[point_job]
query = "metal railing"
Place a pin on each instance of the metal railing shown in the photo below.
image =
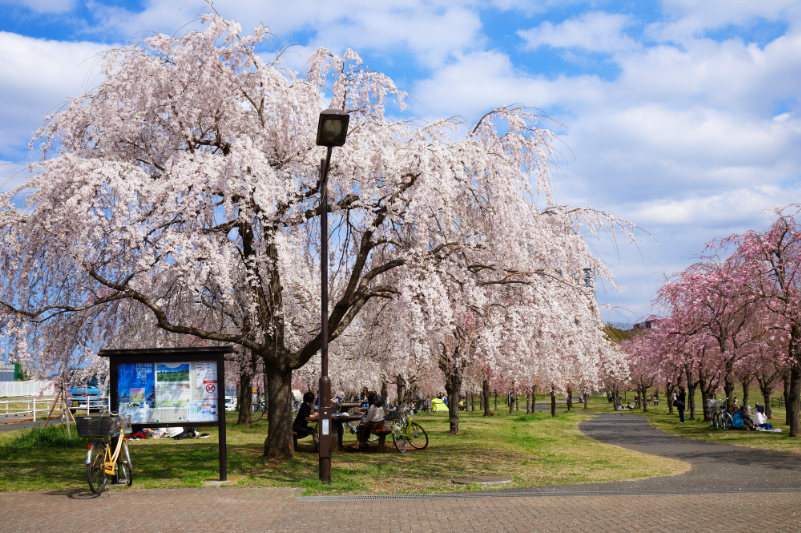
(24, 408)
(33, 408)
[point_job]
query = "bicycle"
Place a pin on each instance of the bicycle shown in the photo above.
(406, 430)
(258, 411)
(101, 462)
(721, 419)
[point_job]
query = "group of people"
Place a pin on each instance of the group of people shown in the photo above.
(371, 410)
(740, 417)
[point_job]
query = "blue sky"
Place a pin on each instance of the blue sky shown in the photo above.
(681, 116)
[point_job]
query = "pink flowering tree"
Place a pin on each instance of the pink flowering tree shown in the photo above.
(773, 276)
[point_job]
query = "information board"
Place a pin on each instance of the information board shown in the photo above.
(171, 387)
(168, 392)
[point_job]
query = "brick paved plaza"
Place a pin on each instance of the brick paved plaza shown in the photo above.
(277, 510)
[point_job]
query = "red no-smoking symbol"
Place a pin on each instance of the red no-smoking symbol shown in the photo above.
(210, 388)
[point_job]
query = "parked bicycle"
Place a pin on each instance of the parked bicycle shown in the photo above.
(721, 419)
(108, 455)
(259, 408)
(406, 431)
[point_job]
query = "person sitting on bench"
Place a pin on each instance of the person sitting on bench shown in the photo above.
(374, 419)
(301, 425)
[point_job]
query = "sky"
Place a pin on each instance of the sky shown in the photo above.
(679, 116)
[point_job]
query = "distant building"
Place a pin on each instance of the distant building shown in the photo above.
(646, 324)
(7, 371)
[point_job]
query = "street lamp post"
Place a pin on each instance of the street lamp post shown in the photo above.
(332, 129)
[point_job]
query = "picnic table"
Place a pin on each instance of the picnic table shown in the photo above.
(338, 429)
(654, 402)
(350, 405)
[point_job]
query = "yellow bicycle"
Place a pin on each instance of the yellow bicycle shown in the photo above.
(108, 455)
(406, 430)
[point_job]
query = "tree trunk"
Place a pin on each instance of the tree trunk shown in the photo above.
(401, 385)
(746, 383)
(511, 403)
(766, 390)
(669, 395)
(691, 392)
(485, 394)
(786, 379)
(569, 399)
(245, 399)
(553, 401)
(496, 399)
(533, 398)
(453, 386)
(279, 417)
(247, 372)
(728, 389)
(586, 397)
(644, 398)
(517, 401)
(793, 406)
(384, 394)
(528, 403)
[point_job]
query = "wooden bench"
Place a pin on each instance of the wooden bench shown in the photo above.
(382, 438)
(654, 402)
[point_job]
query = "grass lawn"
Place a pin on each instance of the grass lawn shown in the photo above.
(698, 429)
(533, 450)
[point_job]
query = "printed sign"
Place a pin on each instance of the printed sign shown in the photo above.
(168, 392)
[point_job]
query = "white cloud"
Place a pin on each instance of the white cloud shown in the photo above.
(687, 19)
(431, 30)
(728, 207)
(42, 6)
(38, 76)
(594, 32)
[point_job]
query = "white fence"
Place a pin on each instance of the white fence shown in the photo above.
(33, 408)
(27, 388)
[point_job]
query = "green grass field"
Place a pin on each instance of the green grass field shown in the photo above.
(533, 450)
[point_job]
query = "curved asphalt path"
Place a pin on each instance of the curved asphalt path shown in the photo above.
(715, 467)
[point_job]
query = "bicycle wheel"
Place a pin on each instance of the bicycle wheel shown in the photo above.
(94, 467)
(397, 437)
(727, 421)
(716, 420)
(125, 457)
(418, 436)
(257, 414)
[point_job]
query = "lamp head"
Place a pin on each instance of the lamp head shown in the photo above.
(332, 128)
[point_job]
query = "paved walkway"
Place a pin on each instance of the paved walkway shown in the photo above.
(715, 467)
(767, 498)
(266, 511)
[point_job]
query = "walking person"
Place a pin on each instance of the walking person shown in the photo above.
(680, 403)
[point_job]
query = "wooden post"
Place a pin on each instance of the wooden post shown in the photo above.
(58, 396)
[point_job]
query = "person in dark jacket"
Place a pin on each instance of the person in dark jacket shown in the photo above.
(680, 403)
(301, 425)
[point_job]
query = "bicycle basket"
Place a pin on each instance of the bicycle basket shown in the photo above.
(121, 425)
(94, 426)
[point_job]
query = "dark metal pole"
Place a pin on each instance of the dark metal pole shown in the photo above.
(222, 450)
(325, 382)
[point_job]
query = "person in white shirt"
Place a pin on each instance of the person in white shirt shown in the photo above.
(374, 419)
(760, 420)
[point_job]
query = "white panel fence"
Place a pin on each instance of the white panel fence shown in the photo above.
(27, 388)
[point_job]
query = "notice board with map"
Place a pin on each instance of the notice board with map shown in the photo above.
(170, 387)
